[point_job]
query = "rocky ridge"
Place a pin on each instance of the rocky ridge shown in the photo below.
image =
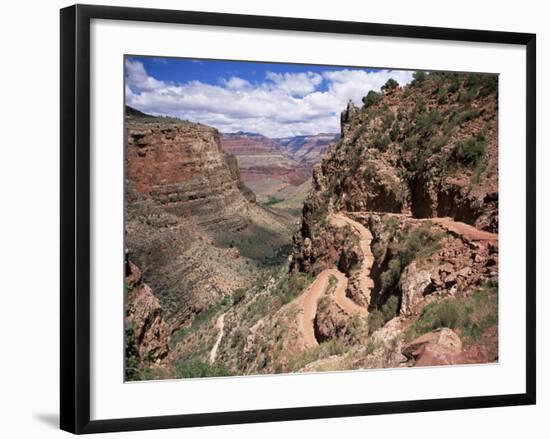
(191, 223)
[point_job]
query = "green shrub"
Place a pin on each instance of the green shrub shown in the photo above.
(394, 132)
(359, 132)
(489, 85)
(238, 295)
(380, 142)
(376, 320)
(428, 123)
(471, 315)
(412, 244)
(470, 151)
(390, 277)
(131, 365)
(271, 200)
(453, 86)
(291, 286)
(419, 77)
(465, 115)
(371, 99)
(323, 350)
(387, 121)
(199, 369)
(390, 308)
(390, 84)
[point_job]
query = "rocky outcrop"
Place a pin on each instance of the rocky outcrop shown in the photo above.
(181, 166)
(414, 284)
(429, 149)
(444, 347)
(144, 320)
(189, 218)
(417, 166)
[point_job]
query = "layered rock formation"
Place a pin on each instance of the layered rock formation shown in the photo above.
(190, 220)
(308, 149)
(182, 167)
(146, 331)
(261, 158)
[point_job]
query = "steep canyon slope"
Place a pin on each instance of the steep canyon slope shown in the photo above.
(394, 262)
(418, 167)
(191, 224)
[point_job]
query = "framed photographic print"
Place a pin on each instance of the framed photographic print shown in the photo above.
(268, 218)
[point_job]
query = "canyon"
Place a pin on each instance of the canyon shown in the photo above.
(377, 247)
(276, 168)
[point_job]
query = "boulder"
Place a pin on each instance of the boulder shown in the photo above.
(443, 337)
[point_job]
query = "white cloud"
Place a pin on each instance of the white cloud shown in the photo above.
(138, 78)
(285, 104)
(236, 83)
(295, 84)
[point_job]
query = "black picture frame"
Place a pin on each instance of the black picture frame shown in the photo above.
(75, 217)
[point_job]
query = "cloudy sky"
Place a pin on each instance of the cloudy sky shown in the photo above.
(277, 100)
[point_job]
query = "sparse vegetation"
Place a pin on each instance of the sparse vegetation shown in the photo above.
(415, 243)
(390, 84)
(419, 77)
(378, 317)
(371, 99)
(199, 369)
(271, 200)
(470, 151)
(323, 350)
(471, 315)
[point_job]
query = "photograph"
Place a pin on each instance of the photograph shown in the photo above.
(291, 218)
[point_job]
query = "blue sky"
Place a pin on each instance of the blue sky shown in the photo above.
(276, 100)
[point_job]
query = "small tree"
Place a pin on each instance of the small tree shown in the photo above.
(419, 77)
(390, 85)
(371, 98)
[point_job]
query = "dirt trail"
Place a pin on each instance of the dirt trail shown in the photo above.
(464, 230)
(214, 352)
(343, 301)
(309, 300)
(365, 239)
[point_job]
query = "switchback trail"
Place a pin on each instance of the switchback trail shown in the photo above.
(309, 300)
(365, 238)
(214, 352)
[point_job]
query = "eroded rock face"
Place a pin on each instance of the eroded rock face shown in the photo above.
(182, 166)
(263, 158)
(144, 317)
(185, 204)
(404, 154)
(307, 149)
(415, 284)
(330, 322)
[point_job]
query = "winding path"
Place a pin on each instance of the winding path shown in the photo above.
(214, 352)
(365, 238)
(466, 230)
(309, 300)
